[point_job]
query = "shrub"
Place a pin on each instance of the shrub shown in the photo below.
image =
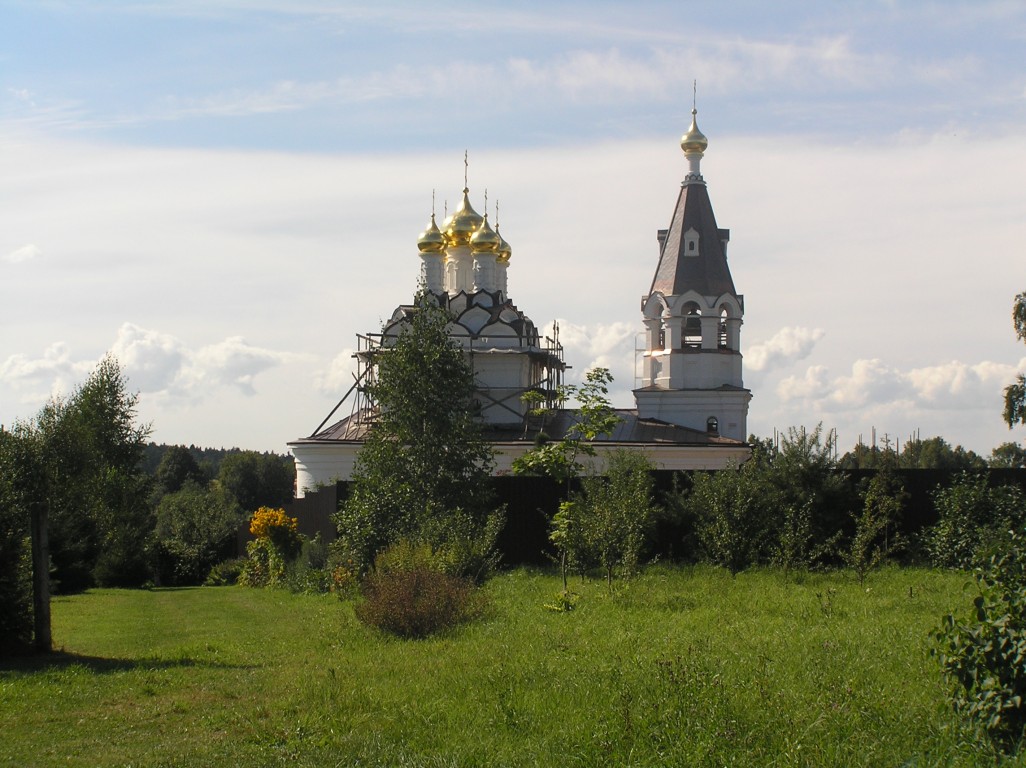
(195, 529)
(876, 537)
(409, 596)
(343, 582)
(795, 550)
(262, 566)
(615, 514)
(972, 519)
(566, 533)
(15, 592)
(984, 655)
(279, 529)
(16, 467)
(733, 508)
(308, 572)
(813, 498)
(225, 573)
(301, 578)
(277, 544)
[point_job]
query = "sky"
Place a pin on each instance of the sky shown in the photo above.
(224, 193)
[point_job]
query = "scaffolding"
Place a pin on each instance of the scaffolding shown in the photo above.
(546, 378)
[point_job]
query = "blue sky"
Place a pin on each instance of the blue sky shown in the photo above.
(225, 193)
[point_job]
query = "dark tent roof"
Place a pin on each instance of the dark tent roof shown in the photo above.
(680, 271)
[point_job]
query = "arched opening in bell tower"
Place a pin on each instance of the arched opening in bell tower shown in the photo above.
(692, 326)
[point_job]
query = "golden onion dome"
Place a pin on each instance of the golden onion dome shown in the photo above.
(485, 240)
(503, 252)
(694, 140)
(431, 239)
(462, 225)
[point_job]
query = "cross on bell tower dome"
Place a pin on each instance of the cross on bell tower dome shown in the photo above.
(693, 316)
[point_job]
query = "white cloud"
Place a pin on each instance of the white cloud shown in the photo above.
(871, 381)
(814, 385)
(151, 360)
(954, 385)
(24, 253)
(960, 385)
(156, 365)
(56, 363)
(233, 362)
(785, 346)
(592, 75)
(338, 377)
(589, 73)
(32, 381)
(600, 345)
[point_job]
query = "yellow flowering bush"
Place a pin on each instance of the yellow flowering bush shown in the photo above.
(268, 523)
(277, 544)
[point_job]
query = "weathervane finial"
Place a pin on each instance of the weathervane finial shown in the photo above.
(466, 166)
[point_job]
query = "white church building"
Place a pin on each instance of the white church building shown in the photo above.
(691, 408)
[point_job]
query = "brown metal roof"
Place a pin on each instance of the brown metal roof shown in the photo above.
(706, 273)
(630, 430)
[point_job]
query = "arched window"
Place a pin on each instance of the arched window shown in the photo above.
(712, 425)
(723, 329)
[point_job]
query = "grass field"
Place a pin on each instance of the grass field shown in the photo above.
(681, 667)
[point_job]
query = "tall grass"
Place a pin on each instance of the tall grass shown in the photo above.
(680, 667)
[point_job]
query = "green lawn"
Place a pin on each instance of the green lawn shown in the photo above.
(681, 667)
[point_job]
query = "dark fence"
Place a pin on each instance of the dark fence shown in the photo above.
(530, 503)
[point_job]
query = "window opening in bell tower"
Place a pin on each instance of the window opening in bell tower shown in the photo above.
(693, 328)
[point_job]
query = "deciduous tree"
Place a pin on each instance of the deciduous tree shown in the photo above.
(616, 512)
(15, 549)
(561, 459)
(1015, 394)
(177, 467)
(195, 529)
(733, 512)
(1008, 456)
(257, 479)
(594, 417)
(423, 472)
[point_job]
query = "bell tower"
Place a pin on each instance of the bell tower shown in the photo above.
(693, 316)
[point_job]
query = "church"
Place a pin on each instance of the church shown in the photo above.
(691, 405)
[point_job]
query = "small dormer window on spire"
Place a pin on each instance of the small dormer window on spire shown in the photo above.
(691, 242)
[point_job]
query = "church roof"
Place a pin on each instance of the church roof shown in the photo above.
(634, 430)
(680, 270)
(630, 429)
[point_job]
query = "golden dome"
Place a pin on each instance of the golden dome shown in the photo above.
(485, 240)
(461, 226)
(503, 252)
(431, 240)
(694, 140)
